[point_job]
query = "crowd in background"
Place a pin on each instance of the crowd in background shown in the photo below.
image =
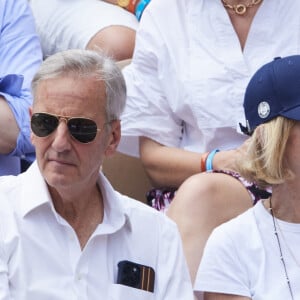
(190, 64)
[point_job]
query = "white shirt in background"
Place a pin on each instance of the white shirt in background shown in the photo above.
(242, 257)
(188, 75)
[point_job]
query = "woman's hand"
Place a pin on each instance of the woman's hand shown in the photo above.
(228, 160)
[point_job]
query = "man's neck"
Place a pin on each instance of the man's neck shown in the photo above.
(83, 212)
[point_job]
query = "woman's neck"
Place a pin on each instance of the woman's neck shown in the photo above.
(241, 22)
(286, 202)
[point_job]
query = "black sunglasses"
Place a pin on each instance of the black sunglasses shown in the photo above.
(83, 130)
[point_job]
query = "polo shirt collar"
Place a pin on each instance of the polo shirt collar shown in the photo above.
(37, 194)
(115, 215)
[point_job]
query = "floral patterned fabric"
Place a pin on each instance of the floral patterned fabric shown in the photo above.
(160, 199)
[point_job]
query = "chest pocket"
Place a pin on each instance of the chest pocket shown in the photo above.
(121, 292)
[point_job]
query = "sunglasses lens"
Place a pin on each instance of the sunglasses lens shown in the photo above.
(43, 124)
(83, 130)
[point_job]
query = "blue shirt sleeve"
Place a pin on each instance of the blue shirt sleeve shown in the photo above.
(20, 57)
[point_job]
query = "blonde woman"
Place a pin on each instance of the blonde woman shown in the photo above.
(256, 255)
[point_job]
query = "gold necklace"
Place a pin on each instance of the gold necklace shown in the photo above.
(240, 8)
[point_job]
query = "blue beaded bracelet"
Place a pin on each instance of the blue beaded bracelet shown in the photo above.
(140, 8)
(209, 160)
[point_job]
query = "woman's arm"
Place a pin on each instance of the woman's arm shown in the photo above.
(115, 2)
(169, 167)
(217, 296)
(166, 166)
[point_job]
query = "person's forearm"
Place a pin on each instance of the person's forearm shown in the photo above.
(169, 167)
(112, 1)
(8, 128)
(220, 296)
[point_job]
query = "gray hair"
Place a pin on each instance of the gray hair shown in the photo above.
(87, 63)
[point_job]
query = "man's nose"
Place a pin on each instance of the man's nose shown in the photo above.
(62, 137)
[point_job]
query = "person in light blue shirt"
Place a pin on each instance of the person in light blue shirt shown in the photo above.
(20, 56)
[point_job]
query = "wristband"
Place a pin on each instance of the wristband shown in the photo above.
(209, 160)
(140, 8)
(203, 161)
(132, 6)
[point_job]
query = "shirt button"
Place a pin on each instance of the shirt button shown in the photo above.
(79, 277)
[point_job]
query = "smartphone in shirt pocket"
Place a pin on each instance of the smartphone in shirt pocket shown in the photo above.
(136, 275)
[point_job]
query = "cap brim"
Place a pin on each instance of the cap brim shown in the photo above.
(293, 113)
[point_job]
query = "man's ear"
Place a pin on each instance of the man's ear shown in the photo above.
(114, 138)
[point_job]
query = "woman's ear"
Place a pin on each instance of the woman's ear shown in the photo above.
(114, 138)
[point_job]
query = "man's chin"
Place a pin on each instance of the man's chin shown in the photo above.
(58, 180)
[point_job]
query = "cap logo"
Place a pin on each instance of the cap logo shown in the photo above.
(263, 109)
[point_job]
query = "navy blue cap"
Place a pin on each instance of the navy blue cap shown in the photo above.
(274, 90)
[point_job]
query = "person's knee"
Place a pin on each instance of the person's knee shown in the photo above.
(209, 194)
(116, 41)
(194, 190)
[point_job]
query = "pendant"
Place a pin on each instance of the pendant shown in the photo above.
(240, 9)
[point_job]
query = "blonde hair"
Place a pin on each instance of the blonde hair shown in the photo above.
(264, 163)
